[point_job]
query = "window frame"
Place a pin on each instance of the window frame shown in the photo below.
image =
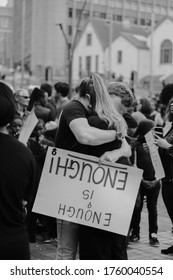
(119, 57)
(166, 51)
(89, 39)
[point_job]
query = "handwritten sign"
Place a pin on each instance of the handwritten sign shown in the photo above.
(75, 188)
(156, 161)
(28, 127)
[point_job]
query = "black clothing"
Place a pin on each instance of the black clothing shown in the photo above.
(65, 138)
(17, 173)
(167, 156)
(143, 161)
(98, 150)
(104, 245)
(43, 113)
(50, 106)
(152, 197)
(97, 244)
(167, 182)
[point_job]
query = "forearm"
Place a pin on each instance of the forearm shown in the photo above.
(93, 136)
(125, 150)
(114, 155)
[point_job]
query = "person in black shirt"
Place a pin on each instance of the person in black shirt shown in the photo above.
(165, 145)
(17, 184)
(77, 135)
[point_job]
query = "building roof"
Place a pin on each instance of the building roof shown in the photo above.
(101, 28)
(163, 19)
(139, 43)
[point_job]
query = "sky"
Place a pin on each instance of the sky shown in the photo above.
(3, 2)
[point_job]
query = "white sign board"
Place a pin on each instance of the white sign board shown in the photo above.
(156, 161)
(28, 127)
(75, 188)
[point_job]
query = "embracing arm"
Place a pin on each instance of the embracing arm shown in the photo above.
(88, 135)
(113, 156)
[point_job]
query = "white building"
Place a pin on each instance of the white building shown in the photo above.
(123, 49)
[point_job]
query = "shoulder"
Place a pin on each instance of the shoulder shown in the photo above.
(73, 104)
(18, 148)
(74, 109)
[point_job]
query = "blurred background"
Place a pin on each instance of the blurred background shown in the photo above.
(64, 40)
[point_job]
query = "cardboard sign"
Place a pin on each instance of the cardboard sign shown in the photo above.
(28, 127)
(156, 161)
(75, 188)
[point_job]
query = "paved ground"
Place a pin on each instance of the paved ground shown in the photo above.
(136, 251)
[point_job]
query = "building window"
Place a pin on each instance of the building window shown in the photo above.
(80, 66)
(119, 18)
(97, 64)
(89, 39)
(134, 20)
(103, 15)
(4, 22)
(142, 21)
(88, 65)
(69, 30)
(78, 13)
(119, 57)
(96, 14)
(166, 52)
(148, 22)
(70, 12)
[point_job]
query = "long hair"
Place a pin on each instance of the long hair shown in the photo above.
(105, 108)
(36, 95)
(101, 102)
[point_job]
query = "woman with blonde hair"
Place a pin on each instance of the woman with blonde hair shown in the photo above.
(102, 109)
(108, 114)
(76, 134)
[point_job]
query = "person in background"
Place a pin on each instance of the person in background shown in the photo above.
(124, 99)
(149, 187)
(38, 102)
(147, 108)
(156, 115)
(18, 174)
(104, 244)
(22, 100)
(15, 126)
(50, 103)
(165, 145)
(75, 134)
(39, 152)
(61, 97)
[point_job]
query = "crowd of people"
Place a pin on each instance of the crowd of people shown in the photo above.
(106, 121)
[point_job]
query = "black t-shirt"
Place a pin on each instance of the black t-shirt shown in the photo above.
(18, 181)
(65, 139)
(166, 157)
(98, 150)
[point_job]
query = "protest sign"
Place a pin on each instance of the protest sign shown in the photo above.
(155, 158)
(75, 188)
(28, 127)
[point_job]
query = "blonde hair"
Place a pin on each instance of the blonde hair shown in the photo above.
(105, 108)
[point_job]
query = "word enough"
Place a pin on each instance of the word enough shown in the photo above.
(84, 170)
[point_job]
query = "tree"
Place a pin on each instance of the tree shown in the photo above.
(71, 46)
